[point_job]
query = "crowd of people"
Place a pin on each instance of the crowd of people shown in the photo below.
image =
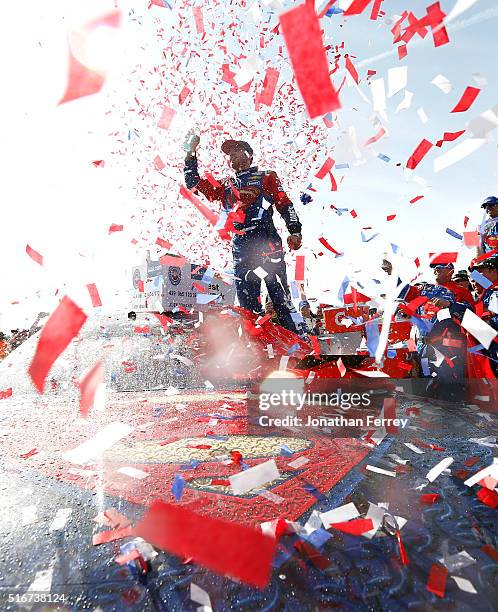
(9, 342)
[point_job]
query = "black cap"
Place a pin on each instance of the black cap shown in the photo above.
(490, 201)
(231, 145)
(461, 275)
(488, 262)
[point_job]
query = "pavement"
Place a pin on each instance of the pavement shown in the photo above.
(39, 483)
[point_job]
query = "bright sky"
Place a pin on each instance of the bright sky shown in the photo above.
(54, 199)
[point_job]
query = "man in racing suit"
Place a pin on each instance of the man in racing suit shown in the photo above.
(487, 302)
(489, 227)
(256, 245)
(442, 345)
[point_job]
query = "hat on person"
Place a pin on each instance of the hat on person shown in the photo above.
(490, 201)
(461, 275)
(304, 304)
(232, 145)
(487, 262)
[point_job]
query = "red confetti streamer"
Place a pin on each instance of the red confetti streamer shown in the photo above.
(352, 70)
(115, 228)
(357, 7)
(416, 199)
(302, 35)
(163, 243)
(6, 393)
(206, 212)
(390, 217)
(325, 169)
(467, 99)
(33, 451)
(88, 386)
(402, 551)
(429, 498)
(35, 256)
(94, 295)
(199, 21)
(166, 118)
(199, 287)
(172, 260)
(124, 559)
(163, 320)
(62, 326)
(223, 547)
(488, 497)
(185, 92)
(435, 17)
(327, 246)
(99, 163)
(354, 527)
(378, 136)
(449, 137)
(420, 152)
(141, 330)
(436, 583)
(376, 10)
(491, 551)
(443, 258)
(110, 536)
(317, 349)
(402, 52)
(158, 163)
(81, 81)
(299, 274)
(269, 86)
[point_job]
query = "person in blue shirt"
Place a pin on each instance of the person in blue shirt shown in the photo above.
(489, 227)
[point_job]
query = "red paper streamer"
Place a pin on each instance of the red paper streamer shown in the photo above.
(163, 243)
(467, 99)
(390, 413)
(375, 138)
(223, 547)
(376, 10)
(435, 17)
(88, 386)
(185, 92)
(416, 199)
(488, 497)
(317, 559)
(158, 163)
(302, 35)
(443, 258)
(352, 70)
(429, 498)
(354, 527)
(420, 152)
(436, 583)
(327, 246)
(357, 7)
(449, 137)
(63, 325)
(35, 256)
(206, 212)
(317, 349)
(6, 393)
(299, 275)
(110, 536)
(402, 551)
(325, 169)
(115, 228)
(269, 86)
(166, 118)
(94, 295)
(199, 21)
(402, 52)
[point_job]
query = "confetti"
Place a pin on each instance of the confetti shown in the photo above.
(464, 585)
(254, 477)
(397, 79)
(442, 83)
(206, 212)
(339, 515)
(92, 448)
(6, 393)
(63, 326)
(457, 153)
(224, 547)
(467, 99)
(115, 228)
(89, 384)
(166, 118)
(178, 486)
(301, 31)
(438, 469)
(420, 152)
(436, 582)
(94, 295)
(269, 86)
(35, 256)
(481, 331)
(355, 526)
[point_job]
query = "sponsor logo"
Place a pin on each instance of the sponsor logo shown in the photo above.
(175, 275)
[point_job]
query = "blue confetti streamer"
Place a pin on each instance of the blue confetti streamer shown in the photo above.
(384, 157)
(373, 333)
(365, 239)
(285, 451)
(454, 234)
(177, 487)
(341, 166)
(479, 278)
